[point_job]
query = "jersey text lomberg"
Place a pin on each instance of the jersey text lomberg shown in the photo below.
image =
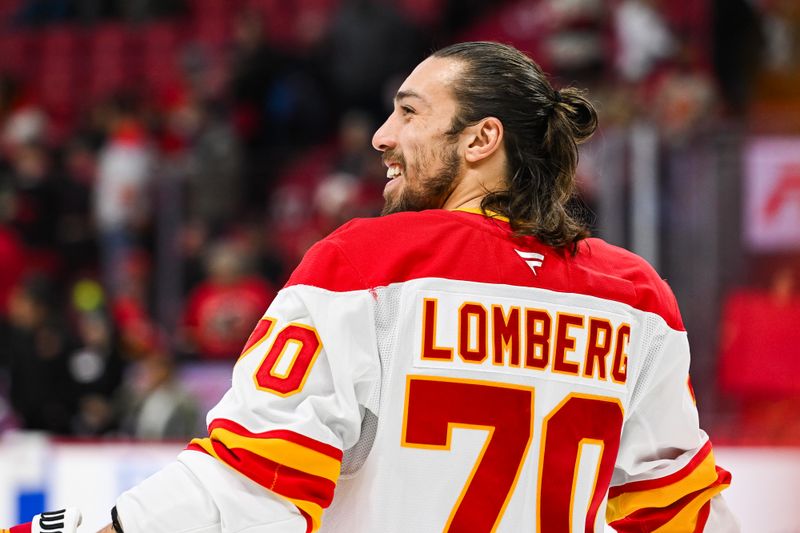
(530, 338)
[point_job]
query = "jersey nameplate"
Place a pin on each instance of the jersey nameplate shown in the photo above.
(474, 332)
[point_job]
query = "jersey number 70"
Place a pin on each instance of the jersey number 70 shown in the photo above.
(436, 405)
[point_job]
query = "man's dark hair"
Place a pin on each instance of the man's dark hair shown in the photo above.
(542, 127)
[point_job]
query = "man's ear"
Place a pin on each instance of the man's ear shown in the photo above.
(483, 139)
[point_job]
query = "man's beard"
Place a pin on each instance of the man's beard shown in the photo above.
(427, 192)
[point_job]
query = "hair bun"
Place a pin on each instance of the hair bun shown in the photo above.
(578, 111)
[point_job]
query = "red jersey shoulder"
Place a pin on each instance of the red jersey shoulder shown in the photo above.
(372, 252)
(375, 252)
(653, 294)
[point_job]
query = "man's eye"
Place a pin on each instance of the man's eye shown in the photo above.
(407, 110)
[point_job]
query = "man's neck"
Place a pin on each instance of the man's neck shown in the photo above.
(469, 203)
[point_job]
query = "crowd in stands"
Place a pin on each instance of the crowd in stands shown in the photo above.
(164, 165)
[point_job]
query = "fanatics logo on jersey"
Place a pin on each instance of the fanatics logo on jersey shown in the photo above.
(532, 259)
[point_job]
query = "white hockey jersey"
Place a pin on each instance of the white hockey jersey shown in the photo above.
(427, 372)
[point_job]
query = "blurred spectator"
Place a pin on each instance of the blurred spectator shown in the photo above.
(643, 38)
(779, 79)
(576, 42)
(34, 348)
(336, 200)
(154, 405)
(258, 238)
(122, 199)
(369, 42)
(280, 103)
(739, 42)
(684, 98)
(193, 240)
(75, 229)
(30, 192)
(23, 119)
(95, 371)
(356, 156)
(254, 67)
(223, 309)
(781, 24)
(214, 182)
(131, 307)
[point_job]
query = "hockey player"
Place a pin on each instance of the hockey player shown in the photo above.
(469, 362)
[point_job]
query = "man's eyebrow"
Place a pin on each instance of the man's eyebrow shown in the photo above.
(401, 95)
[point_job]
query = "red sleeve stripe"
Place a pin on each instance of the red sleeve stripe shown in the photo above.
(675, 477)
(677, 497)
(22, 528)
(686, 514)
(310, 494)
(278, 478)
(309, 520)
(288, 482)
(702, 517)
(652, 518)
(283, 434)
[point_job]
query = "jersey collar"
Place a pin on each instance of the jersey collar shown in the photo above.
(478, 211)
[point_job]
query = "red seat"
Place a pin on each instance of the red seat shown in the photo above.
(61, 52)
(109, 38)
(18, 51)
(213, 8)
(111, 54)
(160, 36)
(213, 33)
(60, 40)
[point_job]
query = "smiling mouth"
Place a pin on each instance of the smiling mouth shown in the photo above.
(394, 171)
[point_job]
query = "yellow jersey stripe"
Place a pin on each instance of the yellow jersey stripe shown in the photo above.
(205, 443)
(627, 503)
(478, 211)
(686, 519)
(313, 510)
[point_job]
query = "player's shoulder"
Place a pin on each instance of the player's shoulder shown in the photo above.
(615, 259)
(366, 252)
(386, 242)
(652, 292)
(396, 226)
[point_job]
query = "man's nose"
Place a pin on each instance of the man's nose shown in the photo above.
(384, 138)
